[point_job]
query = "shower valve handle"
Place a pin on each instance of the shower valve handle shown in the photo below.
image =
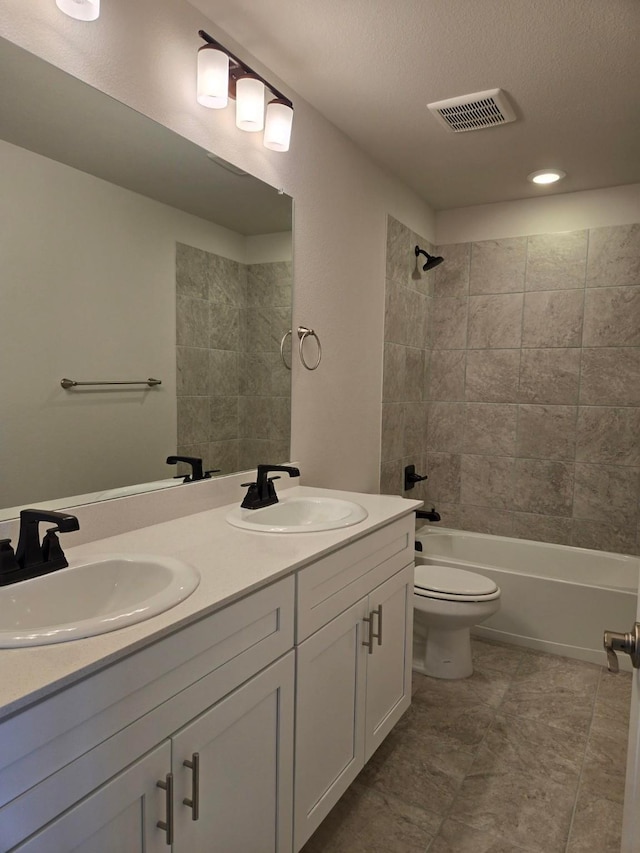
(628, 643)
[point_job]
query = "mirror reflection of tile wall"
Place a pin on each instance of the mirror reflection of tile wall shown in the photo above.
(234, 392)
(532, 385)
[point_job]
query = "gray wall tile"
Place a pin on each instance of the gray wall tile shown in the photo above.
(604, 536)
(492, 375)
(392, 431)
(515, 398)
(192, 372)
(553, 318)
(443, 470)
(193, 419)
(497, 266)
(223, 418)
(449, 323)
(487, 481)
(400, 254)
(482, 519)
(490, 428)
(612, 317)
(446, 426)
(416, 423)
(542, 528)
(610, 377)
(549, 376)
(224, 327)
(608, 435)
(192, 321)
(547, 432)
(543, 487)
(604, 492)
(495, 321)
(446, 374)
(223, 370)
(391, 478)
(451, 278)
(556, 261)
(614, 256)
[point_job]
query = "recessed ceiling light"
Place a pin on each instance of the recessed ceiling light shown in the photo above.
(546, 176)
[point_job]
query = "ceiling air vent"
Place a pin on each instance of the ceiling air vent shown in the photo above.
(473, 112)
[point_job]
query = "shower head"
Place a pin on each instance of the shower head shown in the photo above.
(432, 260)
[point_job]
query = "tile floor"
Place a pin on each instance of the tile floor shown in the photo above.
(526, 756)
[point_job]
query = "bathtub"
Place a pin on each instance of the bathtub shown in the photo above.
(555, 598)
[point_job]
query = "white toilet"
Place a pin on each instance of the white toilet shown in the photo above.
(449, 601)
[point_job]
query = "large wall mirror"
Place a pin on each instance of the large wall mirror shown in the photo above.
(129, 253)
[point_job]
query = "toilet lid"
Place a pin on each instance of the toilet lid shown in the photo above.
(453, 582)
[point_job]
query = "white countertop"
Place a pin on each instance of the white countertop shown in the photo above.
(232, 563)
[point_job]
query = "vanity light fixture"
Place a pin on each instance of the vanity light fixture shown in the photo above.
(81, 10)
(221, 75)
(546, 176)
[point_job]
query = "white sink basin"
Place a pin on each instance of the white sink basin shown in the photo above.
(91, 598)
(299, 515)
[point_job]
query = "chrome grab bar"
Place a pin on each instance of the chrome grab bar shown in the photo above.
(71, 383)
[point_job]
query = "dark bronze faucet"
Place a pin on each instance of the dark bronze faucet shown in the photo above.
(196, 468)
(32, 557)
(262, 493)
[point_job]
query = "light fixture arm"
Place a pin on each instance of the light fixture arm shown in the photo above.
(243, 68)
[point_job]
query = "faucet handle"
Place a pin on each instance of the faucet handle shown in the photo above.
(8, 561)
(52, 552)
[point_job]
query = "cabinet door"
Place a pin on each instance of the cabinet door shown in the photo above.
(121, 815)
(389, 664)
(330, 697)
(245, 758)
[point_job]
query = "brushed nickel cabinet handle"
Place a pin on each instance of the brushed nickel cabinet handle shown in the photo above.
(369, 643)
(378, 635)
(167, 825)
(194, 801)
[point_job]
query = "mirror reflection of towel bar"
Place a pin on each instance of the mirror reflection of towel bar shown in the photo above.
(70, 383)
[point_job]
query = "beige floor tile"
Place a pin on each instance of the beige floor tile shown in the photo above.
(538, 750)
(495, 656)
(484, 686)
(365, 821)
(416, 773)
(525, 810)
(452, 725)
(613, 704)
(603, 775)
(553, 690)
(597, 826)
(455, 837)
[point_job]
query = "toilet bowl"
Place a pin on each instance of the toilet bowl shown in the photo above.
(449, 601)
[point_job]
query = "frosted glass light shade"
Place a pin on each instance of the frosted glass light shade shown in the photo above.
(250, 103)
(213, 77)
(81, 10)
(277, 128)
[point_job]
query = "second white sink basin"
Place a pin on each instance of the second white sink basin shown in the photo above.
(92, 598)
(299, 515)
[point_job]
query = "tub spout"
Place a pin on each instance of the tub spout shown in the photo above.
(428, 515)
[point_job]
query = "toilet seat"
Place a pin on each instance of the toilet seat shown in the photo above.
(444, 582)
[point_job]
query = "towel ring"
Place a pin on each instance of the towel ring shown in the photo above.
(303, 334)
(284, 360)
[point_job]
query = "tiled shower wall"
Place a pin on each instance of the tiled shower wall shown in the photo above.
(234, 401)
(533, 386)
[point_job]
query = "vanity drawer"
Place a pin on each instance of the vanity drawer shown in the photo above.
(334, 583)
(228, 647)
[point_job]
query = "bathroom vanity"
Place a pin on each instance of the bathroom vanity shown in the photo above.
(234, 721)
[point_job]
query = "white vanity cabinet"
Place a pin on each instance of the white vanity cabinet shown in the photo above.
(211, 711)
(226, 783)
(353, 676)
(79, 771)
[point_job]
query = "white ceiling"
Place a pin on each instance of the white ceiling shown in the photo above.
(571, 68)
